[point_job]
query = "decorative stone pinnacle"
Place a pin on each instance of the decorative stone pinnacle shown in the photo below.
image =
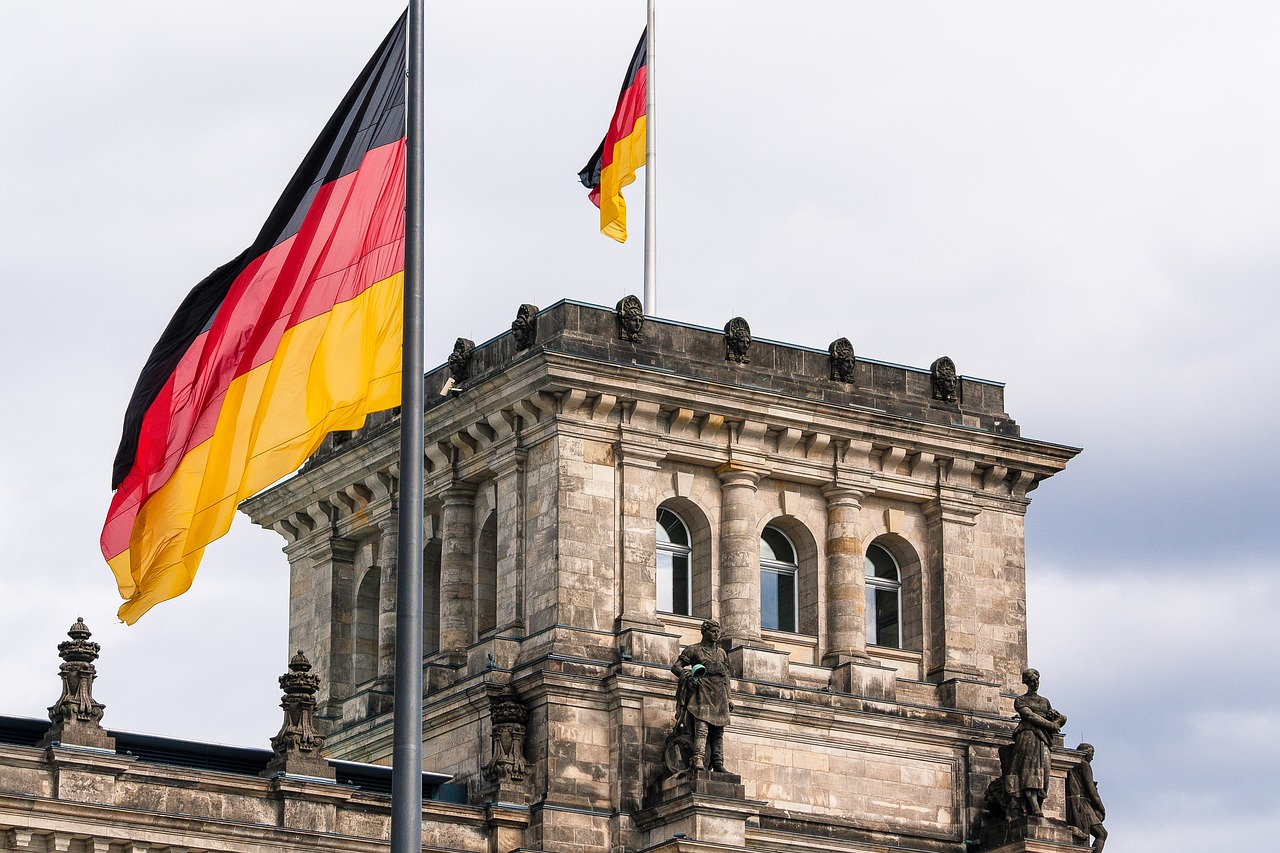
(297, 745)
(76, 716)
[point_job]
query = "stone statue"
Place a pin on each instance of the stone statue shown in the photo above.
(737, 341)
(703, 696)
(524, 328)
(946, 384)
(842, 361)
(630, 317)
(1027, 779)
(1085, 811)
(460, 359)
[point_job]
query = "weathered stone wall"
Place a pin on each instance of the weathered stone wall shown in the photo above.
(57, 798)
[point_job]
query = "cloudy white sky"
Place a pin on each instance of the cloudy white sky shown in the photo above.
(1079, 199)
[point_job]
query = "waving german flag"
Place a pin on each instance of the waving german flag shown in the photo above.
(297, 336)
(614, 164)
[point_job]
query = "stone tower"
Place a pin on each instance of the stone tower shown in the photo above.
(598, 485)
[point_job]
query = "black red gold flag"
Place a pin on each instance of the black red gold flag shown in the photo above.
(297, 336)
(614, 164)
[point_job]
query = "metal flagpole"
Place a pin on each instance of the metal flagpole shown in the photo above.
(650, 179)
(406, 758)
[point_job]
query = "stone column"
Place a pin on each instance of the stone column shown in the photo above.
(457, 568)
(336, 605)
(846, 577)
(389, 556)
(638, 507)
(952, 627)
(739, 554)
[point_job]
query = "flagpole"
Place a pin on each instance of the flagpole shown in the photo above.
(650, 178)
(406, 760)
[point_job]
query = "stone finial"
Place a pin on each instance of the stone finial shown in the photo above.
(842, 361)
(630, 317)
(737, 341)
(297, 745)
(946, 384)
(77, 716)
(507, 774)
(524, 328)
(460, 359)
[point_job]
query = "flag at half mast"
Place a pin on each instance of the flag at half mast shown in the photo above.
(297, 336)
(614, 164)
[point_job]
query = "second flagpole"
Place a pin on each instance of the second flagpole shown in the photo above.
(650, 177)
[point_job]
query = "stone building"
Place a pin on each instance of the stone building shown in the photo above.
(598, 484)
(601, 483)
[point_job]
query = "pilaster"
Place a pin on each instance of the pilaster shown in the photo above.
(509, 478)
(638, 472)
(953, 607)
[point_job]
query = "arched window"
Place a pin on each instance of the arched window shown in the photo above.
(778, 588)
(675, 581)
(364, 628)
(487, 576)
(431, 555)
(884, 599)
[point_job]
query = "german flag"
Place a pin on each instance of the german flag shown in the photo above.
(297, 336)
(614, 164)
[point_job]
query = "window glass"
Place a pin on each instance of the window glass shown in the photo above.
(777, 581)
(774, 546)
(671, 529)
(884, 599)
(675, 593)
(880, 564)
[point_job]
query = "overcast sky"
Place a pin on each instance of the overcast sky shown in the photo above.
(1079, 199)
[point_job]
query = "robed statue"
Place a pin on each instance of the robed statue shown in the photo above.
(702, 698)
(1027, 780)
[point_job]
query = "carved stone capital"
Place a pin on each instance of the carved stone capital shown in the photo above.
(838, 494)
(733, 474)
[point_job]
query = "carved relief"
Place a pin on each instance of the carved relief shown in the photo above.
(737, 341)
(524, 328)
(460, 359)
(506, 778)
(630, 317)
(842, 361)
(946, 384)
(508, 718)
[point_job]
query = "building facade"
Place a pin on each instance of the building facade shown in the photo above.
(598, 485)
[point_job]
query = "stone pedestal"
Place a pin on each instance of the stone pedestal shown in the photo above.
(1027, 835)
(647, 645)
(968, 694)
(760, 663)
(709, 807)
(865, 678)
